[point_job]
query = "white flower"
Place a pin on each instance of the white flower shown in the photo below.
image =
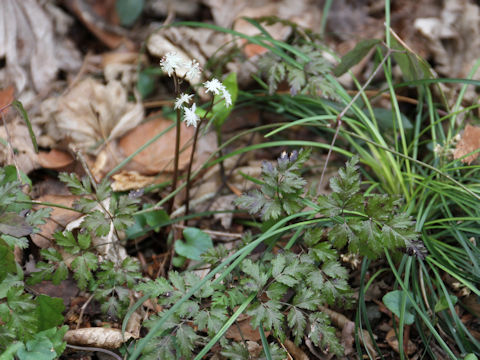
(193, 70)
(214, 86)
(227, 97)
(171, 62)
(182, 99)
(190, 117)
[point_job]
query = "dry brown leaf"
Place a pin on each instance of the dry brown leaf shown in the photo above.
(295, 351)
(58, 217)
(54, 159)
(100, 337)
(454, 37)
(221, 203)
(393, 342)
(134, 324)
(130, 180)
(246, 332)
(92, 112)
(348, 330)
(7, 96)
(25, 155)
(159, 155)
(32, 41)
(101, 22)
(469, 142)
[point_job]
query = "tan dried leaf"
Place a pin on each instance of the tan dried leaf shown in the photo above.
(130, 180)
(453, 37)
(159, 155)
(97, 337)
(469, 142)
(92, 112)
(25, 155)
(54, 159)
(58, 217)
(393, 342)
(31, 41)
(244, 331)
(348, 330)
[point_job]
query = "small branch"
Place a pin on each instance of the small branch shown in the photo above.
(190, 164)
(95, 349)
(9, 142)
(82, 310)
(177, 148)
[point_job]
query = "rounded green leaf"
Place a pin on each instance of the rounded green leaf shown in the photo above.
(393, 302)
(195, 244)
(129, 10)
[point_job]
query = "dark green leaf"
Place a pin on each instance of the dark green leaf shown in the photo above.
(354, 56)
(442, 303)
(49, 311)
(129, 10)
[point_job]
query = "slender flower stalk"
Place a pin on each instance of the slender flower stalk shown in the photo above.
(177, 147)
(170, 63)
(190, 163)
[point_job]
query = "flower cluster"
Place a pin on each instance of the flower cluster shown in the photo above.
(215, 87)
(172, 62)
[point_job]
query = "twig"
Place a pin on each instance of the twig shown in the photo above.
(78, 154)
(95, 349)
(214, 233)
(177, 148)
(82, 310)
(10, 147)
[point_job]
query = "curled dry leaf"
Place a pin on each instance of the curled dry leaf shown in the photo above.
(106, 338)
(32, 41)
(25, 155)
(99, 18)
(295, 351)
(159, 155)
(469, 142)
(453, 37)
(92, 112)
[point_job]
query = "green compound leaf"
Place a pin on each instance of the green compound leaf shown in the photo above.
(354, 56)
(196, 243)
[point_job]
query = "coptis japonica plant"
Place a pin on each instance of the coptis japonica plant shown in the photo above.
(369, 224)
(172, 64)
